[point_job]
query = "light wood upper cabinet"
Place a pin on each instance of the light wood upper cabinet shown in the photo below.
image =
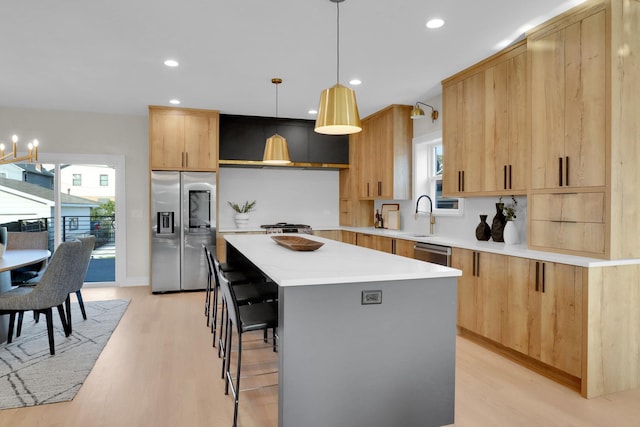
(384, 162)
(183, 139)
(568, 104)
(485, 139)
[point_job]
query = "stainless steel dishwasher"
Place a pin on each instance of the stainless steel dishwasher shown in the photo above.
(436, 254)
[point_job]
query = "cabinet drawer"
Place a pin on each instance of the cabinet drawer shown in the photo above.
(574, 207)
(572, 236)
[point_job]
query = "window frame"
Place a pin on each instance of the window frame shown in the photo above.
(424, 182)
(104, 182)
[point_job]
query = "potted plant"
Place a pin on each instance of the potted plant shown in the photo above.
(510, 231)
(242, 212)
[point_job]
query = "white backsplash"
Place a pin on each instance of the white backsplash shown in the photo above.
(463, 226)
(301, 196)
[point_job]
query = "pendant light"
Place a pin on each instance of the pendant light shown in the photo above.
(276, 151)
(338, 111)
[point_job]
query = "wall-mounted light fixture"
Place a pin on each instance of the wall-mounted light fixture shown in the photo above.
(338, 111)
(418, 113)
(12, 157)
(276, 151)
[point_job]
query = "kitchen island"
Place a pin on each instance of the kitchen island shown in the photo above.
(366, 338)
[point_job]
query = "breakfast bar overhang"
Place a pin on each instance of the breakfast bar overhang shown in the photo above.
(366, 338)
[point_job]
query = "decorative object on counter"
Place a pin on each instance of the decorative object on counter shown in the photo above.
(386, 207)
(3, 240)
(338, 110)
(12, 157)
(418, 113)
(276, 151)
(377, 223)
(483, 231)
(296, 243)
(242, 212)
(393, 220)
(498, 223)
(510, 234)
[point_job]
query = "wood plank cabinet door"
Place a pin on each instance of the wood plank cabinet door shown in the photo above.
(201, 141)
(452, 147)
(568, 105)
(473, 134)
(166, 141)
(404, 248)
(561, 317)
(465, 260)
(491, 295)
(505, 138)
(522, 305)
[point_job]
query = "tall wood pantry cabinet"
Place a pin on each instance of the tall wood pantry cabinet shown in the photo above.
(183, 139)
(485, 140)
(584, 131)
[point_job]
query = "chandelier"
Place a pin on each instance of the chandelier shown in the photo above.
(12, 156)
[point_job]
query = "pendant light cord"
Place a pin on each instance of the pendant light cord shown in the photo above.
(338, 42)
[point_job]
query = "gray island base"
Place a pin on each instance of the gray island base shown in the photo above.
(366, 338)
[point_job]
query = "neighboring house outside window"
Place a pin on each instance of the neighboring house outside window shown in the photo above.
(104, 180)
(428, 169)
(77, 180)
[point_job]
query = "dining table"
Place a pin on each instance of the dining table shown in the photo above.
(10, 260)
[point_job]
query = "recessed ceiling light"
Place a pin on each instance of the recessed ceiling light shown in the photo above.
(171, 63)
(174, 101)
(435, 23)
(355, 82)
(313, 111)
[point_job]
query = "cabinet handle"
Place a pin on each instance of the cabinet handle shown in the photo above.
(537, 274)
(474, 264)
(462, 180)
(510, 182)
(182, 159)
(560, 171)
(566, 171)
(478, 264)
(367, 189)
(379, 188)
(459, 181)
(186, 156)
(504, 177)
(543, 278)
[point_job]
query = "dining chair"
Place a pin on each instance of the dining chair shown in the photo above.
(27, 240)
(88, 243)
(52, 291)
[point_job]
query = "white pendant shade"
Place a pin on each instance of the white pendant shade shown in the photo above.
(276, 151)
(338, 112)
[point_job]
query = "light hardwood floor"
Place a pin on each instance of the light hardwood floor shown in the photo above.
(159, 369)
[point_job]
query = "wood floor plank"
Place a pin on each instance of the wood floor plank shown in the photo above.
(159, 369)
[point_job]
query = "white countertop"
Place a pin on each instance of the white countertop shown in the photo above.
(333, 263)
(520, 250)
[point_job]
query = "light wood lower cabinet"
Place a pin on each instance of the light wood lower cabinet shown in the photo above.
(329, 234)
(403, 247)
(544, 312)
(371, 241)
(529, 306)
(481, 291)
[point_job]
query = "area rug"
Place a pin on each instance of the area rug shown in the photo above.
(30, 376)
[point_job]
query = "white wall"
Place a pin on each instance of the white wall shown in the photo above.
(61, 132)
(299, 196)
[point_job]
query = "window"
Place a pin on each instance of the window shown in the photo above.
(104, 180)
(73, 223)
(428, 169)
(77, 179)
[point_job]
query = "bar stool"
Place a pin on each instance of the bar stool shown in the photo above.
(246, 318)
(249, 289)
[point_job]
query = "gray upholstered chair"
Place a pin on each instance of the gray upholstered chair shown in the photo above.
(88, 244)
(57, 282)
(27, 240)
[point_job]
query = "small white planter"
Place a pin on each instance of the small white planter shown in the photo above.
(242, 220)
(511, 233)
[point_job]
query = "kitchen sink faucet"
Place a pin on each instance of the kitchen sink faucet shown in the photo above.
(432, 219)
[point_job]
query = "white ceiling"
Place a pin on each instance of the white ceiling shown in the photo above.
(107, 55)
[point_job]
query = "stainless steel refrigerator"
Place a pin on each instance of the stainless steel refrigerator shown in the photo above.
(183, 209)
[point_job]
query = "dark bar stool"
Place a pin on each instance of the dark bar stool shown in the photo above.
(242, 319)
